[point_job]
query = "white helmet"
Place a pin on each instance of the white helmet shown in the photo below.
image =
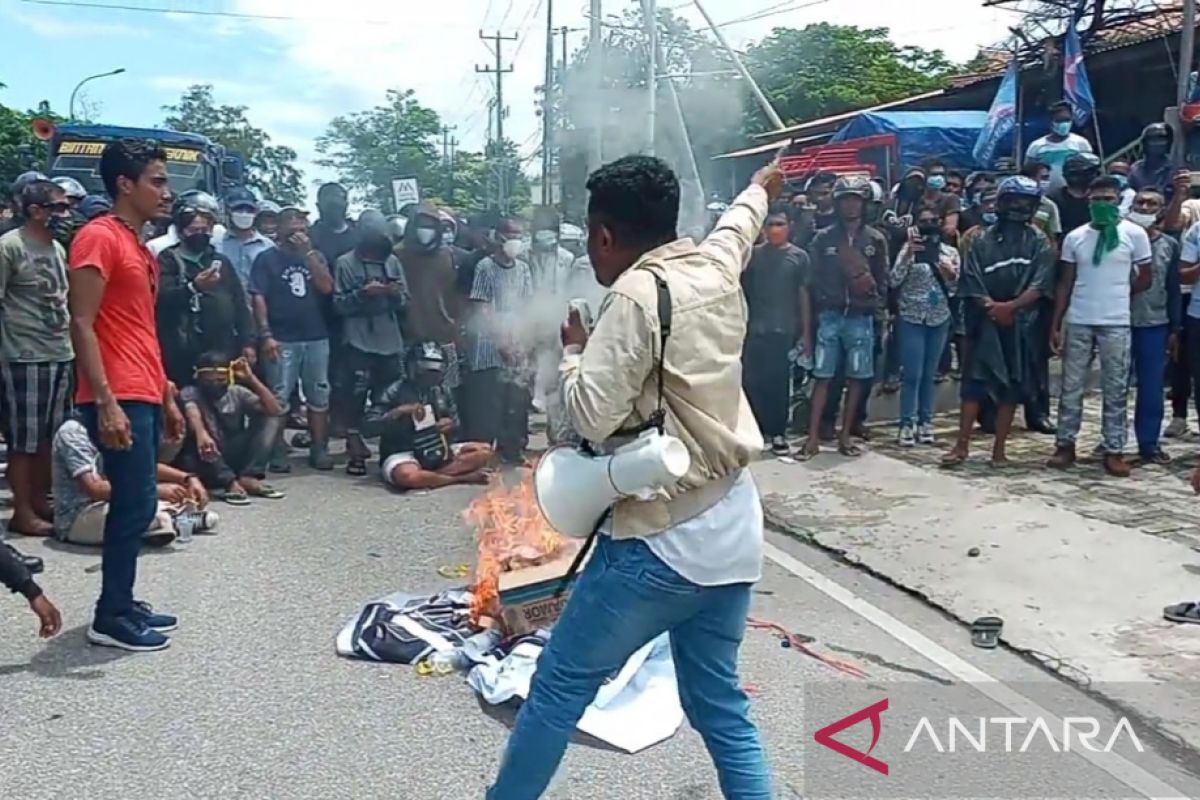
(72, 188)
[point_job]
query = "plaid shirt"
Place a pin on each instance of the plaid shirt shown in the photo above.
(502, 291)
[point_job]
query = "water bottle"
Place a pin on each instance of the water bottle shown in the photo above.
(185, 524)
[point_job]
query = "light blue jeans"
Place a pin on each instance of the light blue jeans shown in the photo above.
(921, 348)
(624, 598)
(304, 363)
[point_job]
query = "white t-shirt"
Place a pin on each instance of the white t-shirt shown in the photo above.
(1102, 291)
(1054, 154)
(1190, 254)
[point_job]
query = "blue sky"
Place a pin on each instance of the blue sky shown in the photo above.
(339, 57)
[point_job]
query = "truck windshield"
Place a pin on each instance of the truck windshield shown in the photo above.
(81, 161)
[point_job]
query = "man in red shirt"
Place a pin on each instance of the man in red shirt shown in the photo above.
(123, 392)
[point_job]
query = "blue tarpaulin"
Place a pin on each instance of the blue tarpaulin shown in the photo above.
(946, 135)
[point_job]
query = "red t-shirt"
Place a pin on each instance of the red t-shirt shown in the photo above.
(125, 323)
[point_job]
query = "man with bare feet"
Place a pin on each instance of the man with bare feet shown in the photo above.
(849, 280)
(415, 418)
(1007, 269)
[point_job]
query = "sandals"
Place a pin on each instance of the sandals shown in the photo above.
(234, 498)
(1188, 612)
(356, 467)
(850, 450)
(267, 491)
(952, 460)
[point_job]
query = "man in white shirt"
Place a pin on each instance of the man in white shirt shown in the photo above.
(1103, 264)
(1058, 145)
(682, 563)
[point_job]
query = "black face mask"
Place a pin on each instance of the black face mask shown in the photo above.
(212, 391)
(61, 228)
(1018, 214)
(196, 242)
(1078, 180)
(333, 210)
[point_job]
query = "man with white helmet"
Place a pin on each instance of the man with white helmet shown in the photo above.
(72, 188)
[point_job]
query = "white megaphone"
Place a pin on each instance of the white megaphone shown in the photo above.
(573, 489)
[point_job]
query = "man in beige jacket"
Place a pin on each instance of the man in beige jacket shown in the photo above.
(683, 563)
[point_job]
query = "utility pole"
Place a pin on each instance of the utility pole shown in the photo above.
(1187, 47)
(447, 162)
(548, 105)
(596, 88)
(650, 12)
(763, 102)
(498, 150)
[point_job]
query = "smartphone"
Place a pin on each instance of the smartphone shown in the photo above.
(428, 420)
(931, 249)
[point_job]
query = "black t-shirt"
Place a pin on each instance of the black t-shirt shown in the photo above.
(772, 285)
(295, 309)
(401, 436)
(1073, 211)
(333, 244)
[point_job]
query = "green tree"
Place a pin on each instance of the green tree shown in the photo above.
(19, 149)
(270, 168)
(367, 149)
(826, 69)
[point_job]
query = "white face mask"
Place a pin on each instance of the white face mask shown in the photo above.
(447, 238)
(426, 235)
(242, 220)
(514, 248)
(1144, 220)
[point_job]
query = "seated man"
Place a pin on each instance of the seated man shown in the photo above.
(234, 420)
(81, 492)
(415, 419)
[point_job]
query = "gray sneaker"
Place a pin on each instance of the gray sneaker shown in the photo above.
(925, 434)
(906, 438)
(1177, 429)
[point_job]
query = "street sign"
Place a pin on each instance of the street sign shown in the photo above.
(405, 192)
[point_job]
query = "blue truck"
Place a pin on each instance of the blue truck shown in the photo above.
(193, 161)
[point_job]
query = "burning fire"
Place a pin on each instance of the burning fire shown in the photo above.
(512, 534)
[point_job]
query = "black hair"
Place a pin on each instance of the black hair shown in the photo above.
(822, 178)
(127, 158)
(1032, 168)
(212, 358)
(1105, 182)
(1061, 105)
(957, 173)
(637, 197)
(38, 193)
(931, 164)
(328, 188)
(778, 210)
(287, 214)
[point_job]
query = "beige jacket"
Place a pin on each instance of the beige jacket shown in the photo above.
(612, 384)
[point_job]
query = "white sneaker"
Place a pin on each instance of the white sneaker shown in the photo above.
(906, 437)
(925, 434)
(1177, 429)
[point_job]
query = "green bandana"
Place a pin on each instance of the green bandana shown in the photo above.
(1105, 217)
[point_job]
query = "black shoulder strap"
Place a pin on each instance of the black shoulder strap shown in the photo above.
(664, 333)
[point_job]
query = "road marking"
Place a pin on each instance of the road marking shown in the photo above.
(1116, 765)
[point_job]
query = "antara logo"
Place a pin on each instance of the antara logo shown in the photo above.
(872, 712)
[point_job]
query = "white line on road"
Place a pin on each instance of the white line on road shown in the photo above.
(1119, 767)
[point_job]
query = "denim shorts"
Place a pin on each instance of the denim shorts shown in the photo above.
(850, 337)
(304, 363)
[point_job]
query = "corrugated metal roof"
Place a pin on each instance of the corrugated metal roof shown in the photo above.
(845, 115)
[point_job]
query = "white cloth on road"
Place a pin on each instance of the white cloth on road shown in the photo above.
(638, 708)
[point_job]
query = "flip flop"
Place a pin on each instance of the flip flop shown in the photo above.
(1183, 613)
(804, 455)
(952, 460)
(356, 467)
(267, 491)
(234, 498)
(850, 450)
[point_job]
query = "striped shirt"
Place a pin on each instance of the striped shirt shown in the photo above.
(504, 291)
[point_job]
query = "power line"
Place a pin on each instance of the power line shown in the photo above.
(197, 12)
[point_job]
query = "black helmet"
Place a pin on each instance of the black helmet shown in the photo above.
(427, 356)
(852, 184)
(193, 203)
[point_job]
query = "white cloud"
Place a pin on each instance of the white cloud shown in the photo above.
(62, 26)
(344, 63)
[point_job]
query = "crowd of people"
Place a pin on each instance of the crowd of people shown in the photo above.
(863, 289)
(162, 353)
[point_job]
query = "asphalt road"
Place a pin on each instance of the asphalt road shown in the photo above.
(252, 702)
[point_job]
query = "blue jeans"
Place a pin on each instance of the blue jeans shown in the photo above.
(846, 341)
(306, 364)
(921, 348)
(1150, 367)
(624, 598)
(132, 505)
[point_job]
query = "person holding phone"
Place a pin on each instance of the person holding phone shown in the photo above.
(202, 305)
(925, 277)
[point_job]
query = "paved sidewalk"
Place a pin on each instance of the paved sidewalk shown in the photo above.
(1078, 564)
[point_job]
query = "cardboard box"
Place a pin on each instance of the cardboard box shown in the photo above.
(527, 596)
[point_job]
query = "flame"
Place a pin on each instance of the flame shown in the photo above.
(511, 533)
